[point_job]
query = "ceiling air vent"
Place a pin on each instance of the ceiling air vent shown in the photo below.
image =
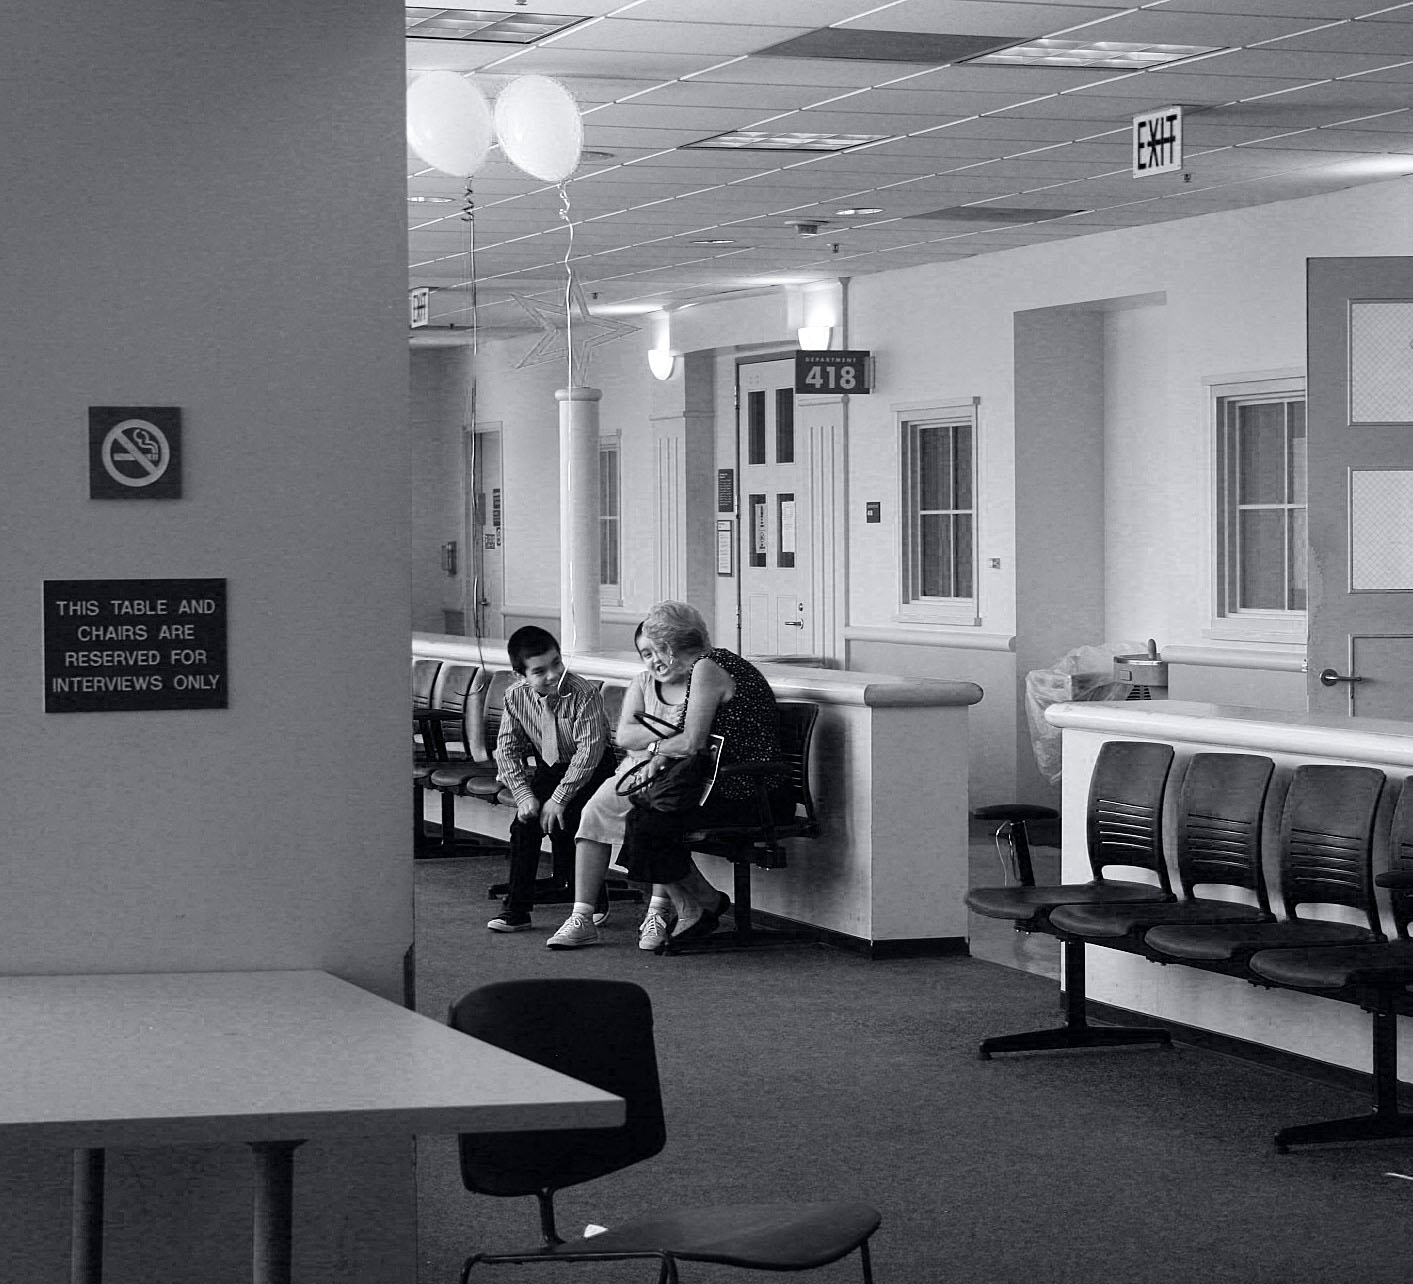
(885, 46)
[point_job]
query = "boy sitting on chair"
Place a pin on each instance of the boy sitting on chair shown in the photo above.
(552, 752)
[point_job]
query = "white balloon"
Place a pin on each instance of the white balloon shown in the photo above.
(538, 124)
(448, 122)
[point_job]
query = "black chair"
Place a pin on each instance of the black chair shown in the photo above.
(1376, 976)
(1013, 821)
(1123, 829)
(1325, 857)
(1220, 807)
(480, 717)
(759, 840)
(440, 737)
(601, 1033)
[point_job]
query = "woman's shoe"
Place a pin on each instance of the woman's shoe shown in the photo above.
(653, 931)
(704, 926)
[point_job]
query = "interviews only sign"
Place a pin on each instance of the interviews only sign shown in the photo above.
(112, 645)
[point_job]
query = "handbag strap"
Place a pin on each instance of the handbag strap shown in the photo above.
(660, 727)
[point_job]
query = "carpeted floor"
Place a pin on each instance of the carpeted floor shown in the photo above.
(812, 1073)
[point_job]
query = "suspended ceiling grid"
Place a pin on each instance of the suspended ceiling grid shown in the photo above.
(1302, 97)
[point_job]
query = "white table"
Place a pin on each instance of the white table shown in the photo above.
(271, 1059)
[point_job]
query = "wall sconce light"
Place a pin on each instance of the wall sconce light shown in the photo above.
(814, 338)
(661, 360)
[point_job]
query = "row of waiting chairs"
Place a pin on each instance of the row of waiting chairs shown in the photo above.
(1328, 827)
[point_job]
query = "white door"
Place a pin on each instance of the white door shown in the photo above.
(1360, 487)
(776, 516)
(485, 590)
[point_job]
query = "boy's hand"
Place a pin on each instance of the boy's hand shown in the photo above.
(528, 811)
(552, 817)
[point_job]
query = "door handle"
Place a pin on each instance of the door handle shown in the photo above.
(794, 624)
(1329, 678)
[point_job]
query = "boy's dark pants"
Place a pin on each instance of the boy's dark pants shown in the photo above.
(526, 837)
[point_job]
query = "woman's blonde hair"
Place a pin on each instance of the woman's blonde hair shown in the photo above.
(677, 627)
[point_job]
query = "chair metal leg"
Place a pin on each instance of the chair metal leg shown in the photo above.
(1076, 1031)
(867, 1263)
(1386, 1120)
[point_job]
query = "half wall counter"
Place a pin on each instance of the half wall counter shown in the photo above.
(889, 775)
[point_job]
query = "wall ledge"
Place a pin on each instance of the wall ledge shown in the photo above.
(1276, 657)
(919, 635)
(1321, 736)
(789, 681)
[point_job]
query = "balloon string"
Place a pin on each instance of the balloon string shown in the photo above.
(568, 282)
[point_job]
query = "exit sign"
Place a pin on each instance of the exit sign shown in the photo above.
(1157, 142)
(846, 371)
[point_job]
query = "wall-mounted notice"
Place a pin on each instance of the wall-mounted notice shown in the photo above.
(134, 452)
(112, 645)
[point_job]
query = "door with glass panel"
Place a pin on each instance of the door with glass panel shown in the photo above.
(1360, 349)
(775, 514)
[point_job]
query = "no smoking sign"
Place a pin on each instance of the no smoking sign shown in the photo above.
(134, 452)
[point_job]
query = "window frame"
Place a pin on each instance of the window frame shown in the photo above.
(611, 590)
(1228, 622)
(909, 418)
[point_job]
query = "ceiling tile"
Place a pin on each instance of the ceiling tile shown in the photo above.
(714, 39)
(979, 17)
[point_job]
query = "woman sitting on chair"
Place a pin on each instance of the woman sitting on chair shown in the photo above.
(727, 696)
(601, 825)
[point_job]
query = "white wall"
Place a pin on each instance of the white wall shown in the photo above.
(178, 231)
(1234, 285)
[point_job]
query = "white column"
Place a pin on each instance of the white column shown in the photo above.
(578, 518)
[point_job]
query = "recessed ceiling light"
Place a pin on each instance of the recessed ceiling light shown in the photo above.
(518, 28)
(431, 200)
(757, 140)
(860, 209)
(1118, 54)
(714, 240)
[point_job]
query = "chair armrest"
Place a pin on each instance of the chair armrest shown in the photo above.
(1399, 881)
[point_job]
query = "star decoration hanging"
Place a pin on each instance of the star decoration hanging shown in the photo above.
(562, 326)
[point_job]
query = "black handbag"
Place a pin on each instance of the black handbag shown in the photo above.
(684, 783)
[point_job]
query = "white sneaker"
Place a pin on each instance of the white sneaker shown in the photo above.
(577, 930)
(601, 916)
(652, 932)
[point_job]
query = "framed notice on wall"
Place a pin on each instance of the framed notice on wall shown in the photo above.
(725, 546)
(115, 646)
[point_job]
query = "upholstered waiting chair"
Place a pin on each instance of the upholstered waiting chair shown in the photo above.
(601, 1033)
(1375, 975)
(1218, 840)
(1325, 858)
(760, 839)
(1124, 828)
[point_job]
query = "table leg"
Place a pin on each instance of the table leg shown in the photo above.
(86, 1241)
(273, 1238)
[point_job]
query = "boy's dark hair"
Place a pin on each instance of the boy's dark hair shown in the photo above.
(527, 641)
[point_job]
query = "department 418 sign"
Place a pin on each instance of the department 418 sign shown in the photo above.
(826, 372)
